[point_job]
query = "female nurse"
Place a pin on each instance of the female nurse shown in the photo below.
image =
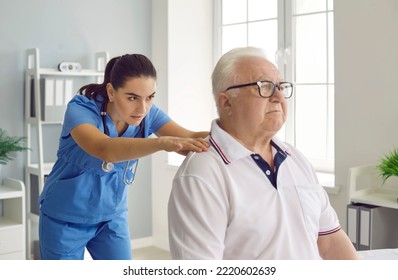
(105, 132)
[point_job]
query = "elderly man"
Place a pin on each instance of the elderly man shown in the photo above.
(251, 196)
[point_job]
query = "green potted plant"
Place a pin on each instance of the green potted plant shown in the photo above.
(9, 146)
(388, 165)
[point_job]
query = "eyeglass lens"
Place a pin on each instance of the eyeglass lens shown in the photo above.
(267, 89)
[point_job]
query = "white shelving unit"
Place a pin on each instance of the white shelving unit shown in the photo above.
(45, 103)
(365, 186)
(12, 221)
(372, 209)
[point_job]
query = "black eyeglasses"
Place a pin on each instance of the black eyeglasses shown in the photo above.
(266, 89)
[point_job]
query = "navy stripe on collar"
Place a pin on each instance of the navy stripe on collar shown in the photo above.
(280, 156)
(218, 150)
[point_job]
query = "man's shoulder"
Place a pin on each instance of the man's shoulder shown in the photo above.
(200, 163)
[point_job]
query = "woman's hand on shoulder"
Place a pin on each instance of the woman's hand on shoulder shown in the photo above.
(183, 145)
(175, 138)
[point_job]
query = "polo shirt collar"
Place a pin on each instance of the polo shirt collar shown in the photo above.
(229, 149)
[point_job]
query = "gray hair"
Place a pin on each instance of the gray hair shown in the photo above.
(224, 74)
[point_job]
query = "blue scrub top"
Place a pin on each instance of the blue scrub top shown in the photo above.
(77, 189)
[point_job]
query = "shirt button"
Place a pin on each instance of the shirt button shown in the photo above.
(268, 172)
(256, 158)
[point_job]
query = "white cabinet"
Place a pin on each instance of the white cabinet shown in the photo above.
(12, 220)
(47, 92)
(365, 186)
(373, 210)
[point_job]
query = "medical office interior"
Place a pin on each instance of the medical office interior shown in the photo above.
(179, 36)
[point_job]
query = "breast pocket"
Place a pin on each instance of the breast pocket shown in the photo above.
(310, 197)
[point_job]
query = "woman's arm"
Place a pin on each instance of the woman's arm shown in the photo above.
(171, 128)
(96, 143)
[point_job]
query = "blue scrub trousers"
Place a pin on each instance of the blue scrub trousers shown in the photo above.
(60, 240)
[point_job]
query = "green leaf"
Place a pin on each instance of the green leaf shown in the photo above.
(388, 165)
(9, 146)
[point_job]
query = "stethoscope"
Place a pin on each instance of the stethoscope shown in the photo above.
(108, 166)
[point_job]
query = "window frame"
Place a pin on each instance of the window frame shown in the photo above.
(287, 68)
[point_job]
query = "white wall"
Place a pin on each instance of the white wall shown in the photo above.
(182, 48)
(366, 59)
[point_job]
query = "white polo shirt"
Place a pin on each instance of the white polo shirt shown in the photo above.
(224, 206)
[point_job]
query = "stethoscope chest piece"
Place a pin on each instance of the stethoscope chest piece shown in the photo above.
(107, 166)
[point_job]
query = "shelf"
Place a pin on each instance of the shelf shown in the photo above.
(55, 72)
(12, 220)
(7, 223)
(377, 199)
(365, 187)
(7, 192)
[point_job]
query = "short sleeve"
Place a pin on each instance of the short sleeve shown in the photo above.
(81, 110)
(329, 221)
(157, 118)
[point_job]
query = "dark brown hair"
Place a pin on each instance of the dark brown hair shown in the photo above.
(118, 70)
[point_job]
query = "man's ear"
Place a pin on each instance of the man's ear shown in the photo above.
(224, 103)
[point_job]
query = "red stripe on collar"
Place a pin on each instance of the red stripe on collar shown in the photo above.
(218, 150)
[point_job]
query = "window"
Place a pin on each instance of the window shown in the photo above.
(297, 36)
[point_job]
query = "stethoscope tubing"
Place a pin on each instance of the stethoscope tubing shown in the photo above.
(109, 166)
